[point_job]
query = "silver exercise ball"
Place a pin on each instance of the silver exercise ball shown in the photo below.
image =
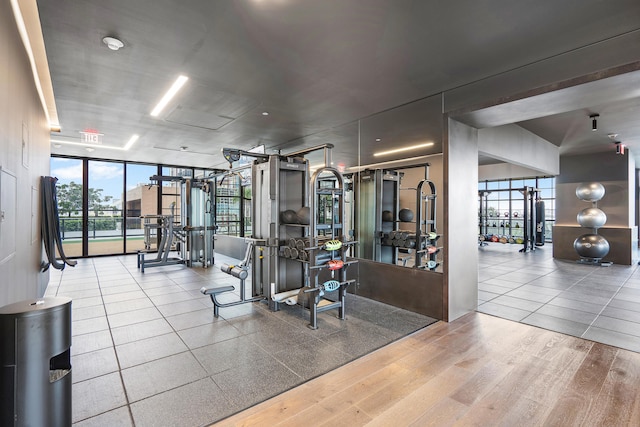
(590, 191)
(591, 246)
(592, 218)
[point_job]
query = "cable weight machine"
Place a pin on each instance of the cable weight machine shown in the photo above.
(193, 234)
(426, 254)
(335, 249)
(292, 243)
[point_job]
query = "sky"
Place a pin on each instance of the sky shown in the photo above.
(105, 175)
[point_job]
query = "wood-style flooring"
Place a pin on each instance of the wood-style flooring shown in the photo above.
(478, 370)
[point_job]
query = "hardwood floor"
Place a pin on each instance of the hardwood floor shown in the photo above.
(478, 370)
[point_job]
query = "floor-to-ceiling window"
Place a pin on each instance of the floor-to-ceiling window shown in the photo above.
(502, 207)
(111, 207)
(228, 205)
(69, 192)
(105, 216)
(141, 208)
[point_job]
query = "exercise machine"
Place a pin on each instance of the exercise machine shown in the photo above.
(192, 235)
(426, 237)
(164, 227)
(198, 221)
(525, 226)
(241, 272)
(289, 253)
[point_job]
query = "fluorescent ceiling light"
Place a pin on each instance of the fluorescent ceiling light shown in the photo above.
(318, 166)
(175, 87)
(400, 163)
(54, 125)
(128, 145)
(131, 141)
(399, 150)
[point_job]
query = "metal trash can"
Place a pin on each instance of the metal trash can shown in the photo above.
(35, 363)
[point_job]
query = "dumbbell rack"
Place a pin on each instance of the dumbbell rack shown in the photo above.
(333, 228)
(426, 234)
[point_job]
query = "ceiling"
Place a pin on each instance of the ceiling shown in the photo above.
(345, 72)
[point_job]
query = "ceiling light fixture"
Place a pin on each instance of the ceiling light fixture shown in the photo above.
(265, 113)
(130, 142)
(90, 149)
(128, 145)
(50, 113)
(594, 121)
(175, 87)
(113, 43)
(57, 145)
(400, 150)
(392, 163)
(184, 148)
(378, 139)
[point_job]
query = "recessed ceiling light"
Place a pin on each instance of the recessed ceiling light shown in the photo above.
(175, 87)
(265, 113)
(113, 43)
(399, 150)
(90, 149)
(378, 139)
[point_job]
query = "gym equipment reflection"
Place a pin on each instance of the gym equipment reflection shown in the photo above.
(390, 234)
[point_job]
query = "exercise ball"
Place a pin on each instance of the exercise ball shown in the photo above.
(289, 217)
(405, 215)
(387, 216)
(591, 246)
(592, 218)
(304, 215)
(590, 191)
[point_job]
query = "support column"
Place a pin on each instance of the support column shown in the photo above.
(460, 293)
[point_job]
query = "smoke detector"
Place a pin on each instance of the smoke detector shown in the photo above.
(113, 43)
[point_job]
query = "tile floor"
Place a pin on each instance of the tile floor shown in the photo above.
(147, 351)
(597, 303)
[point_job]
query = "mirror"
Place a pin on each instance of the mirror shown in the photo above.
(400, 157)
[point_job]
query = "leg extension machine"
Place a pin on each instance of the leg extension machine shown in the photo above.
(240, 271)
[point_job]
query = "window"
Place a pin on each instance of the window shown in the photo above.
(228, 203)
(69, 191)
(105, 217)
(502, 204)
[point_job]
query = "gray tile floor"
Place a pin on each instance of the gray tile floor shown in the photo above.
(597, 303)
(147, 351)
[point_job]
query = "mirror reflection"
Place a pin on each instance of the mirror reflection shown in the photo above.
(397, 193)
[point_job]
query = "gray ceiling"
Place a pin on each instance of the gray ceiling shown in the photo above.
(318, 67)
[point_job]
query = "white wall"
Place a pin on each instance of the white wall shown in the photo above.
(21, 117)
(518, 146)
(505, 171)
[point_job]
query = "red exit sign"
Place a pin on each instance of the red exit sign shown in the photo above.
(91, 137)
